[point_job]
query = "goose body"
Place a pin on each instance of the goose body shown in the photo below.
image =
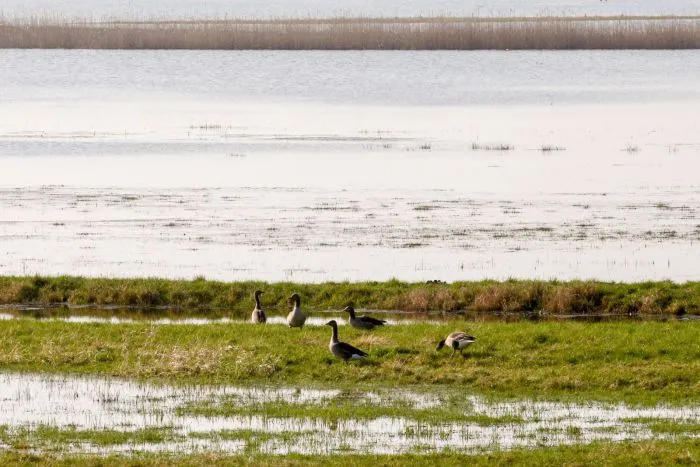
(363, 322)
(258, 315)
(342, 349)
(456, 341)
(296, 318)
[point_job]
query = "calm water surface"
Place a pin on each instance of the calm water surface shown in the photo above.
(313, 166)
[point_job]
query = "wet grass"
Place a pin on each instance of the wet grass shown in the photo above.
(201, 297)
(637, 362)
(349, 405)
(422, 33)
(685, 451)
(668, 426)
(43, 436)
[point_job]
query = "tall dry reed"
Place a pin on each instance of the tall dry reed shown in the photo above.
(438, 33)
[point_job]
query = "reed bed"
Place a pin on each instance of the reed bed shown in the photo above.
(437, 33)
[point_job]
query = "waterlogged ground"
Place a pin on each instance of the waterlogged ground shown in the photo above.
(102, 316)
(104, 415)
(318, 166)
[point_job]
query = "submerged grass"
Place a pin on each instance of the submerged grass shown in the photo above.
(343, 408)
(51, 436)
(421, 33)
(203, 297)
(685, 451)
(638, 362)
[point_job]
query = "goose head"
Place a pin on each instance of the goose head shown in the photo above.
(296, 299)
(350, 309)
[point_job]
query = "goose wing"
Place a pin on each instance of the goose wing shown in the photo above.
(459, 336)
(349, 349)
(370, 320)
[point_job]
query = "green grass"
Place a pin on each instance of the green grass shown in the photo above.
(638, 362)
(347, 407)
(640, 454)
(188, 297)
(661, 426)
(43, 436)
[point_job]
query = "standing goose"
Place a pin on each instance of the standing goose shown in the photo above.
(258, 315)
(363, 322)
(295, 318)
(341, 349)
(457, 341)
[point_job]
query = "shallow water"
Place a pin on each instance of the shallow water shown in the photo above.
(89, 403)
(92, 318)
(318, 166)
(324, 8)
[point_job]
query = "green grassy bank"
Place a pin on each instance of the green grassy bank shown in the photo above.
(649, 453)
(639, 362)
(235, 298)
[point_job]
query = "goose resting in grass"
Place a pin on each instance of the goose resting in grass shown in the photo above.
(457, 341)
(363, 322)
(258, 315)
(341, 349)
(295, 318)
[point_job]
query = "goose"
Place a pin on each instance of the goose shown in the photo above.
(457, 341)
(295, 318)
(258, 315)
(341, 349)
(363, 322)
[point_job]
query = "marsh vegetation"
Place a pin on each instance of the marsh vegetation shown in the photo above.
(201, 297)
(418, 33)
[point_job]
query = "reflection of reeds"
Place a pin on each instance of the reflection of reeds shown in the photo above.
(434, 33)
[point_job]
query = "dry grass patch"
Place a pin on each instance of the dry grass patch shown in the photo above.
(582, 297)
(507, 297)
(371, 340)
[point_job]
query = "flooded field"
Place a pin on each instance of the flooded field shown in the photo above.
(40, 409)
(321, 166)
(347, 166)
